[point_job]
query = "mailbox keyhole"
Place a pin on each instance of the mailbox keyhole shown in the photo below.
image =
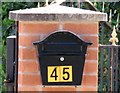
(62, 59)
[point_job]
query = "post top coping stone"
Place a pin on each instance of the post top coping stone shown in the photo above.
(57, 13)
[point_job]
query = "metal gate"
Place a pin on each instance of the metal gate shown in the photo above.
(108, 68)
(108, 71)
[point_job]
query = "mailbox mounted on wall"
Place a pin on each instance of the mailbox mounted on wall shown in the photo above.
(62, 58)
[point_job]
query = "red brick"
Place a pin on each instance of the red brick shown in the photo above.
(89, 80)
(82, 28)
(90, 67)
(92, 39)
(29, 79)
(92, 55)
(37, 27)
(87, 89)
(19, 79)
(63, 89)
(28, 67)
(31, 32)
(28, 53)
(28, 89)
(28, 40)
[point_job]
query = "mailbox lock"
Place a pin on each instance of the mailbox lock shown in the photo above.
(62, 58)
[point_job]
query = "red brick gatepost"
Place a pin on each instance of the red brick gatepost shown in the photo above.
(36, 24)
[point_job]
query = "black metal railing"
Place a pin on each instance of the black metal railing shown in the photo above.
(108, 68)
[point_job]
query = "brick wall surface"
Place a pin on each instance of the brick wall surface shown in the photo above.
(29, 78)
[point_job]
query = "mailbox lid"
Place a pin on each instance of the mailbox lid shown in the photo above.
(62, 42)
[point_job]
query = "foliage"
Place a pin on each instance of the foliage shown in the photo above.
(2, 76)
(7, 25)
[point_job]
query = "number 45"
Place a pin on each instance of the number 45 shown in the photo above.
(61, 74)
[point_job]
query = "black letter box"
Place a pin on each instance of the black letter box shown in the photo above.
(62, 58)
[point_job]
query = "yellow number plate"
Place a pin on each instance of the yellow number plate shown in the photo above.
(59, 73)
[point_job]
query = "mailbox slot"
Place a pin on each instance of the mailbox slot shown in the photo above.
(61, 58)
(62, 49)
